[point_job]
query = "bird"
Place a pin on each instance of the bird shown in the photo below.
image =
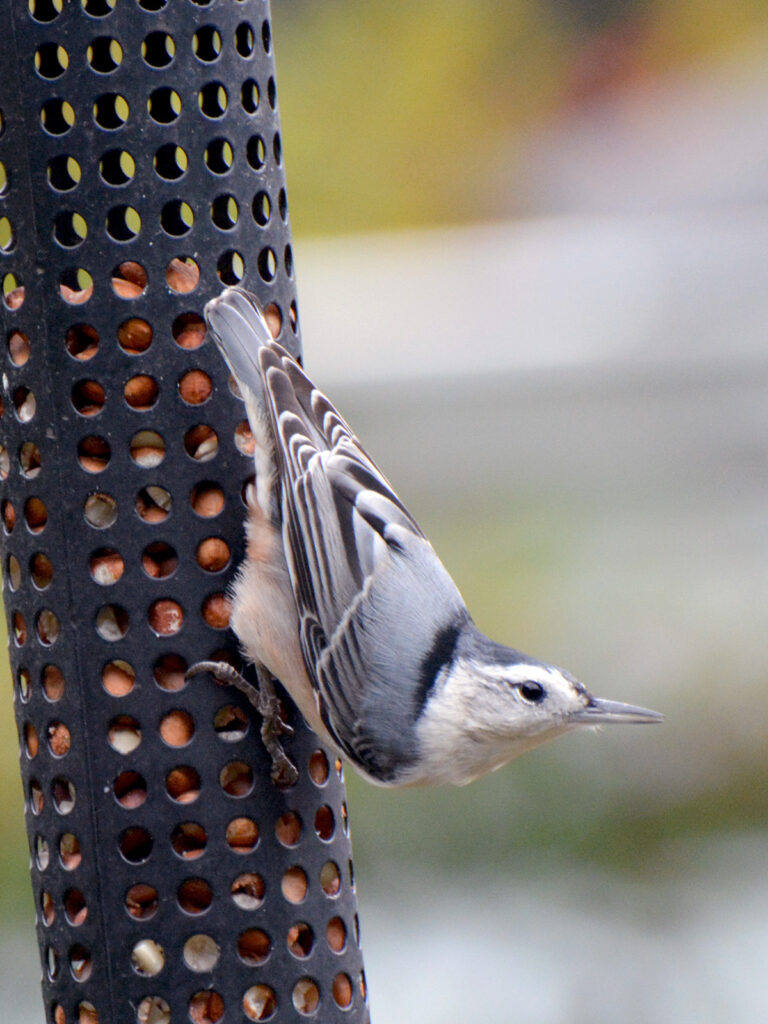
(342, 598)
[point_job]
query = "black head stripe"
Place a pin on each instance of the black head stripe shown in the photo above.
(441, 655)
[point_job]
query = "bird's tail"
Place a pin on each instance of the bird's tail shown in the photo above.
(237, 325)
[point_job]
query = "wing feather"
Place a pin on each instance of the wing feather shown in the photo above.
(342, 522)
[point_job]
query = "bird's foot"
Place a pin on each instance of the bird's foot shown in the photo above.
(264, 699)
(284, 772)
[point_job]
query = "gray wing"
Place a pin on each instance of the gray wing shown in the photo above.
(372, 595)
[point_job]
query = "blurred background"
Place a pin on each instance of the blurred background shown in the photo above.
(531, 243)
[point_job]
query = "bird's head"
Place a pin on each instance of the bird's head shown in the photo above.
(492, 704)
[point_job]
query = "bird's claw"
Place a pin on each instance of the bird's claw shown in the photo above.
(264, 699)
(283, 771)
(223, 672)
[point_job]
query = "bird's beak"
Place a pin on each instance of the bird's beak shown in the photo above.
(598, 712)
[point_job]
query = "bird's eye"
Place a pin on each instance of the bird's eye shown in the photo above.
(532, 692)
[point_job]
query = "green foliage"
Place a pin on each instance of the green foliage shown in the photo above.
(15, 894)
(404, 114)
(397, 114)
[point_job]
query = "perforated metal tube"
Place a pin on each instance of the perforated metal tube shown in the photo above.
(141, 168)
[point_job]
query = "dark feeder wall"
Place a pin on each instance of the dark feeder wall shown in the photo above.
(140, 171)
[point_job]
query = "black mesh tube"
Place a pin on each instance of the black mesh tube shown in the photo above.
(141, 169)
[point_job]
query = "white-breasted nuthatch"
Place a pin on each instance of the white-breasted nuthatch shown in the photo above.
(342, 598)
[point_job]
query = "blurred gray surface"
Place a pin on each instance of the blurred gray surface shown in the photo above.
(664, 290)
(574, 947)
